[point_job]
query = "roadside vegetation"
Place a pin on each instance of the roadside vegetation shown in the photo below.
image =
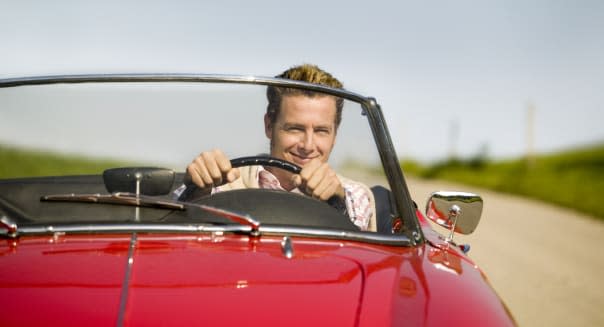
(573, 178)
(15, 162)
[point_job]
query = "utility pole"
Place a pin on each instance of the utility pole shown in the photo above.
(453, 138)
(530, 134)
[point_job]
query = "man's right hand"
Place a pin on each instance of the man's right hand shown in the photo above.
(210, 169)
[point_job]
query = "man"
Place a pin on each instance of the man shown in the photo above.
(302, 128)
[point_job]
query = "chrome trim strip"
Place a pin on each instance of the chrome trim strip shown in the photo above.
(366, 237)
(126, 281)
(128, 228)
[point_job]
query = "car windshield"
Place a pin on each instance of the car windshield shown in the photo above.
(74, 129)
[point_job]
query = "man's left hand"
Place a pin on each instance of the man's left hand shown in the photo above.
(318, 180)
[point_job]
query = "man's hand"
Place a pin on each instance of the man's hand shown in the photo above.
(210, 169)
(318, 180)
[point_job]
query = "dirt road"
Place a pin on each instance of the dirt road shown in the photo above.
(546, 262)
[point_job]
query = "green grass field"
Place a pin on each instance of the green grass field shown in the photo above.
(15, 162)
(573, 178)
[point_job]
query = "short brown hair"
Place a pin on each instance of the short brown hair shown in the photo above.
(305, 73)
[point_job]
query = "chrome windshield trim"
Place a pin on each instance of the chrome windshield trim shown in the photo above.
(129, 228)
(366, 237)
(177, 77)
(392, 169)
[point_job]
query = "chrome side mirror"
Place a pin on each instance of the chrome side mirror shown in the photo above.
(457, 211)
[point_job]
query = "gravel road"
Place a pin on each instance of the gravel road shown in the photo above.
(544, 261)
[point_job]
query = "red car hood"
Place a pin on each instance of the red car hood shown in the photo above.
(236, 280)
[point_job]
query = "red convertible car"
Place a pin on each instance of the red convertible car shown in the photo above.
(123, 248)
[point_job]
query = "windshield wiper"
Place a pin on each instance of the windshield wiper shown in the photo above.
(116, 198)
(9, 225)
(146, 201)
(233, 216)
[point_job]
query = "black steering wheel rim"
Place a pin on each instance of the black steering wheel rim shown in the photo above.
(266, 161)
(289, 209)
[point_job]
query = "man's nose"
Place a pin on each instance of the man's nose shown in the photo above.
(307, 142)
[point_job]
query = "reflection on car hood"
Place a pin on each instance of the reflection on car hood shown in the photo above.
(234, 280)
(177, 281)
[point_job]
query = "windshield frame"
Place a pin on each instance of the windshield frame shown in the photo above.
(376, 119)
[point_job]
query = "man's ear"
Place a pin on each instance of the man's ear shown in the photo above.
(268, 128)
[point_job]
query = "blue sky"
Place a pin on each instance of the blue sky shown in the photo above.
(431, 65)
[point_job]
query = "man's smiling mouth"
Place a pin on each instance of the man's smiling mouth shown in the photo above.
(302, 159)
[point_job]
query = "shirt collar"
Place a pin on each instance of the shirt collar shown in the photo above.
(267, 180)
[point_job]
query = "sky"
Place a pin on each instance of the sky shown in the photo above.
(451, 76)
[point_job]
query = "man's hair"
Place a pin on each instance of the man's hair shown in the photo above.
(305, 73)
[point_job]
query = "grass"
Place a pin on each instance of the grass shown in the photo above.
(15, 162)
(573, 178)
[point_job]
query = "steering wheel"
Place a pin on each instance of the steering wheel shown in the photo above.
(266, 161)
(277, 207)
(246, 161)
(273, 162)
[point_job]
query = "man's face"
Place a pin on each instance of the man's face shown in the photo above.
(304, 129)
